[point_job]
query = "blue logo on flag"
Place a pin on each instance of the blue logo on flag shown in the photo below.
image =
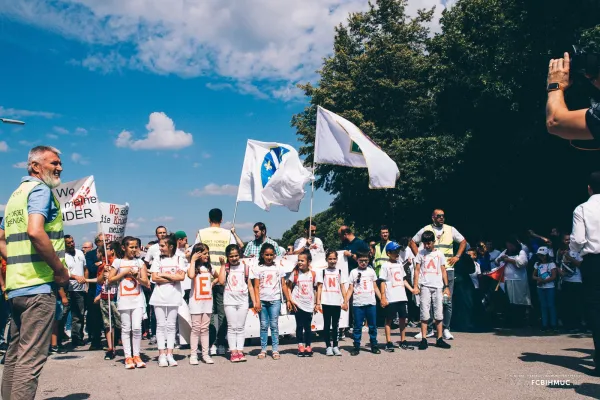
(270, 163)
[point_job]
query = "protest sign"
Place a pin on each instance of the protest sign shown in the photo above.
(78, 201)
(114, 220)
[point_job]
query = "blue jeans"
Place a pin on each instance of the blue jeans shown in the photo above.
(360, 313)
(269, 316)
(548, 306)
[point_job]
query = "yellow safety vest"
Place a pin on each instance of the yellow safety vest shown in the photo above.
(445, 242)
(217, 239)
(380, 257)
(24, 266)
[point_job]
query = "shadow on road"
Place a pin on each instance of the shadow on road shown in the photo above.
(74, 396)
(591, 390)
(582, 364)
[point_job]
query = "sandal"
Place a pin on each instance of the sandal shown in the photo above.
(276, 355)
(262, 355)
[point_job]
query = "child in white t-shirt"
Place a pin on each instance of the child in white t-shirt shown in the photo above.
(394, 301)
(431, 282)
(131, 274)
(168, 271)
(363, 289)
(331, 292)
(237, 285)
(544, 273)
(571, 286)
(200, 304)
(302, 283)
(269, 288)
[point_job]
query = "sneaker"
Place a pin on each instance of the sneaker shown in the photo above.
(365, 329)
(375, 349)
(152, 340)
(109, 355)
(329, 351)
(355, 351)
(308, 351)
(430, 333)
(336, 351)
(138, 362)
(221, 350)
(162, 360)
(389, 347)
(171, 360)
(213, 350)
(194, 359)
(300, 350)
(62, 350)
(423, 345)
(404, 345)
(447, 334)
(242, 357)
(129, 364)
(53, 350)
(441, 344)
(234, 358)
(419, 336)
(208, 360)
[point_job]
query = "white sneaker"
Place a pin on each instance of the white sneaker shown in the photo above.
(329, 351)
(162, 361)
(194, 359)
(448, 335)
(221, 350)
(431, 333)
(336, 351)
(213, 350)
(208, 360)
(365, 329)
(171, 360)
(419, 336)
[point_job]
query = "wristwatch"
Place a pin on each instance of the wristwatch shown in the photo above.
(552, 87)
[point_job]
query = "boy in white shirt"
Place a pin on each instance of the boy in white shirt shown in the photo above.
(431, 282)
(393, 294)
(363, 289)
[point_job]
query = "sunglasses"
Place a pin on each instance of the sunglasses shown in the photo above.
(439, 215)
(358, 278)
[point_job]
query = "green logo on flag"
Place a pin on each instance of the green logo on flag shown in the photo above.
(354, 148)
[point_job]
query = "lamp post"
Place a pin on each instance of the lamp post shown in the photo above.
(12, 121)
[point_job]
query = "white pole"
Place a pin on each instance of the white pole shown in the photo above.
(235, 213)
(312, 195)
(108, 290)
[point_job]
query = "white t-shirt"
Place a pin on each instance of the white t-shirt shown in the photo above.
(76, 265)
(236, 287)
(201, 298)
(303, 292)
(514, 272)
(152, 254)
(576, 276)
(131, 294)
(269, 278)
(474, 275)
(167, 294)
(301, 242)
(331, 293)
(431, 268)
(186, 284)
(544, 271)
(364, 289)
(393, 275)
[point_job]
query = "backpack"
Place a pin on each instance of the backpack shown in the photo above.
(339, 274)
(246, 272)
(296, 273)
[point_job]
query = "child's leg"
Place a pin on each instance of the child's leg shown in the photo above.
(438, 310)
(54, 339)
(204, 337)
(439, 328)
(402, 326)
(116, 316)
(126, 331)
(543, 306)
(274, 310)
(240, 313)
(264, 325)
(402, 318)
(299, 326)
(371, 312)
(307, 328)
(195, 334)
(335, 322)
(161, 328)
(425, 309)
(550, 296)
(327, 325)
(359, 317)
(171, 328)
(230, 314)
(137, 316)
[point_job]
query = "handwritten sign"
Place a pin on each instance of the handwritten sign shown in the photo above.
(114, 220)
(78, 201)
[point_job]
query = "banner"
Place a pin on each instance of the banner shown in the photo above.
(114, 220)
(78, 201)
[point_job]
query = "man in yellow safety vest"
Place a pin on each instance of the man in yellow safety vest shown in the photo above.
(31, 241)
(445, 237)
(380, 255)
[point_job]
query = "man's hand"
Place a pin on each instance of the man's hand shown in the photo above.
(447, 292)
(79, 279)
(452, 261)
(347, 254)
(64, 301)
(61, 278)
(558, 71)
(384, 302)
(232, 230)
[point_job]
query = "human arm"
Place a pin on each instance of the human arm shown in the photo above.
(416, 280)
(252, 294)
(142, 277)
(43, 246)
(319, 291)
(256, 284)
(572, 261)
(349, 293)
(222, 272)
(578, 239)
(377, 291)
(384, 301)
(344, 293)
(238, 240)
(445, 280)
(408, 286)
(461, 249)
(63, 297)
(3, 243)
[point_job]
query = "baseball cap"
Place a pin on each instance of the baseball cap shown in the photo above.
(392, 246)
(543, 251)
(180, 235)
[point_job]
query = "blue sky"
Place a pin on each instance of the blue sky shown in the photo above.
(85, 73)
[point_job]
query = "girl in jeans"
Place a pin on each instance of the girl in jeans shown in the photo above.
(302, 283)
(234, 277)
(269, 284)
(544, 274)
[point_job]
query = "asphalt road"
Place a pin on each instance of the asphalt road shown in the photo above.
(497, 365)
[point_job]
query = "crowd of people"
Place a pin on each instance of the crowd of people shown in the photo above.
(127, 292)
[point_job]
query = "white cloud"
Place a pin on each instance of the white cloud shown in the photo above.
(195, 165)
(163, 219)
(81, 131)
(51, 136)
(132, 225)
(79, 159)
(140, 219)
(212, 189)
(22, 164)
(3, 147)
(206, 155)
(60, 130)
(16, 113)
(259, 47)
(161, 135)
(239, 225)
(26, 143)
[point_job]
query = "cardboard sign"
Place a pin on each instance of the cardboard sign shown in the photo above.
(114, 220)
(78, 201)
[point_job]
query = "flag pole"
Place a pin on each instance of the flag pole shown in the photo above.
(312, 195)
(108, 289)
(235, 213)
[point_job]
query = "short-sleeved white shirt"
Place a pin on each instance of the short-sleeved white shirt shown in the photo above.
(201, 298)
(364, 290)
(332, 279)
(437, 230)
(152, 254)
(544, 271)
(269, 278)
(130, 295)
(393, 275)
(167, 294)
(76, 265)
(431, 263)
(303, 292)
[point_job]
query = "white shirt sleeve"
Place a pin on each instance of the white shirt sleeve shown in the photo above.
(456, 236)
(252, 274)
(578, 234)
(417, 237)
(300, 242)
(443, 259)
(521, 259)
(155, 267)
(383, 272)
(497, 260)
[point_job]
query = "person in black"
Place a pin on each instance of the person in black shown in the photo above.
(351, 246)
(94, 316)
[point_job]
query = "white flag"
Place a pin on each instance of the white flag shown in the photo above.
(114, 220)
(340, 142)
(78, 201)
(273, 174)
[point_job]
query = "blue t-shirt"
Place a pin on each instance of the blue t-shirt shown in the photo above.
(40, 201)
